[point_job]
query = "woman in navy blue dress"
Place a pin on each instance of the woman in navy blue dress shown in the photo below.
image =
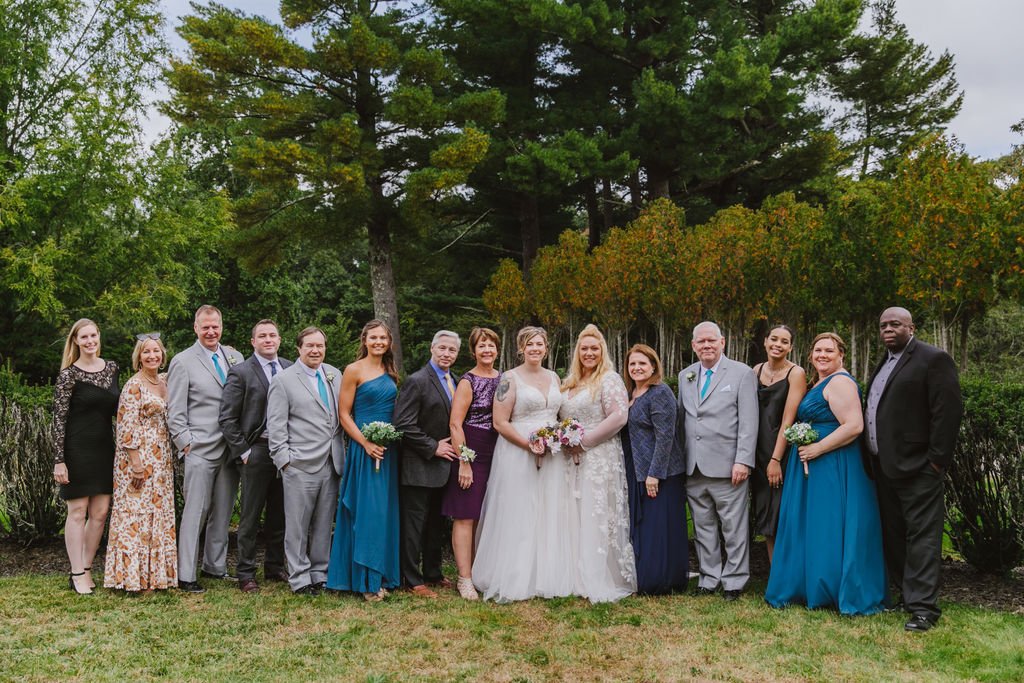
(656, 475)
(364, 552)
(828, 550)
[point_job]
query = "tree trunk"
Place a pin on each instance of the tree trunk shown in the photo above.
(657, 183)
(965, 323)
(606, 204)
(529, 230)
(382, 283)
(595, 220)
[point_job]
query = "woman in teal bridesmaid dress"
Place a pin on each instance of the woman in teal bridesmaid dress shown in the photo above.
(828, 550)
(364, 552)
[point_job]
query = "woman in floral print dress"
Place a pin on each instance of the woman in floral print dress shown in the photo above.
(142, 551)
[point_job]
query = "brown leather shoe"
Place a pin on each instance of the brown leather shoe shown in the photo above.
(423, 592)
(445, 582)
(249, 586)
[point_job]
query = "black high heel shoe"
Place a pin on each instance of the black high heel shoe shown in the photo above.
(72, 586)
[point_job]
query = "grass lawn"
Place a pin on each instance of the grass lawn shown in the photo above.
(49, 634)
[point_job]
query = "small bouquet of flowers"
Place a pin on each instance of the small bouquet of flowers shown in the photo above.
(542, 440)
(569, 435)
(382, 434)
(466, 454)
(801, 434)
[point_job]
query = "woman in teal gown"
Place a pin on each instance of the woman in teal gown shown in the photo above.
(364, 552)
(828, 550)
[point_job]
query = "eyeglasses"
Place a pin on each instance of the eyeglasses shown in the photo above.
(155, 336)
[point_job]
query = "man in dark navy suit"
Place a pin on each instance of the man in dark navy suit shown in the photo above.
(243, 420)
(422, 413)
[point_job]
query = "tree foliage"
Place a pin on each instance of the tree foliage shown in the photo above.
(359, 133)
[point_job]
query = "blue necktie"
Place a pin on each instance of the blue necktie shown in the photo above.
(707, 383)
(273, 368)
(322, 388)
(220, 373)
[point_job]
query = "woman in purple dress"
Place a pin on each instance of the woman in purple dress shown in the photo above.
(471, 427)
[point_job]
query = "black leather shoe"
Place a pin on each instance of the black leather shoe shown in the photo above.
(732, 596)
(702, 592)
(309, 590)
(190, 587)
(281, 576)
(919, 623)
(223, 577)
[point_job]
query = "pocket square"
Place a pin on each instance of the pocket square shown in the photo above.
(727, 387)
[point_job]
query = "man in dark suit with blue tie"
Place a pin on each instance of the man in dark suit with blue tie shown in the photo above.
(243, 420)
(912, 419)
(421, 413)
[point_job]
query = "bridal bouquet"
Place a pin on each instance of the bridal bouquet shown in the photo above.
(382, 434)
(543, 439)
(569, 435)
(801, 434)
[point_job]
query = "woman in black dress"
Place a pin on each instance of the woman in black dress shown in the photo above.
(780, 386)
(84, 404)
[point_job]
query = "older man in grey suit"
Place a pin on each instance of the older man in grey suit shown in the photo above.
(195, 382)
(306, 445)
(718, 405)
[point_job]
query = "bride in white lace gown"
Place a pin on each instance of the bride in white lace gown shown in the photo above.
(526, 533)
(595, 395)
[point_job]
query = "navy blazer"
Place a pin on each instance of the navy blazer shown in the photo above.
(653, 437)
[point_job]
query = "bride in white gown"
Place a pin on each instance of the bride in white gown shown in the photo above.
(526, 533)
(595, 395)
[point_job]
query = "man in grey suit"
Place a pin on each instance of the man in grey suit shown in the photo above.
(306, 445)
(195, 382)
(243, 420)
(718, 402)
(421, 413)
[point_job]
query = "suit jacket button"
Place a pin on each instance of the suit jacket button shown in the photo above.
(698, 438)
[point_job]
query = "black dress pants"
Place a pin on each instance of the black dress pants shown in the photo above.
(913, 513)
(261, 489)
(422, 531)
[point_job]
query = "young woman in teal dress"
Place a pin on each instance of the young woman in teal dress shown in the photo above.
(828, 549)
(364, 552)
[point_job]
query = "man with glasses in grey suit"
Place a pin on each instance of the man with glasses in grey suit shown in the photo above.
(195, 383)
(718, 406)
(307, 446)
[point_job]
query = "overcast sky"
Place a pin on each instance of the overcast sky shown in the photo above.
(983, 35)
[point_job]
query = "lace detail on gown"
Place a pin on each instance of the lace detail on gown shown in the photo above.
(606, 569)
(526, 534)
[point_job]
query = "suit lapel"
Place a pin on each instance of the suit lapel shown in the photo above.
(436, 382)
(716, 379)
(305, 381)
(908, 350)
(257, 368)
(203, 358)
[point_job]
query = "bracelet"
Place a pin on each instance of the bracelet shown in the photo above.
(778, 460)
(138, 470)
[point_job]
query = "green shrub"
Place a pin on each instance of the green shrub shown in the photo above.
(13, 386)
(985, 495)
(28, 496)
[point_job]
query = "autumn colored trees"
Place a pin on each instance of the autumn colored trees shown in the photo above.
(939, 238)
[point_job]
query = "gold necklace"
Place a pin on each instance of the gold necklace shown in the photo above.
(156, 383)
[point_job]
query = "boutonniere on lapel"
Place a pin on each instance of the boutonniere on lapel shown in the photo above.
(330, 377)
(690, 376)
(232, 360)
